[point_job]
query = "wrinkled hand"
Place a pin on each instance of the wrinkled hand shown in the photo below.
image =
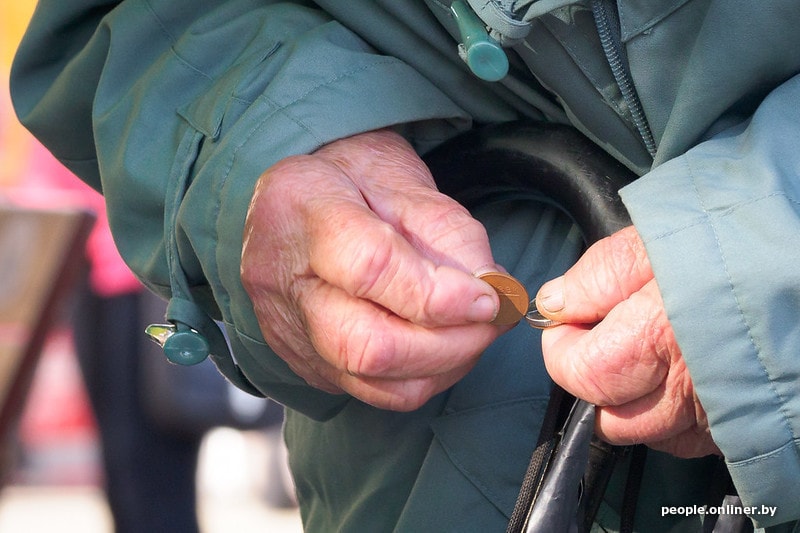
(360, 272)
(617, 350)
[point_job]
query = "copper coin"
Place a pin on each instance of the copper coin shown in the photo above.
(513, 297)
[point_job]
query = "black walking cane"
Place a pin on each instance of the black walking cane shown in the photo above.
(570, 467)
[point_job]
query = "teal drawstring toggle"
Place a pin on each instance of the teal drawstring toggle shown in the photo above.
(484, 56)
(183, 337)
(186, 347)
(182, 345)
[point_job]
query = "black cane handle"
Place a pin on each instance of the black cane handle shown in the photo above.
(554, 161)
(557, 163)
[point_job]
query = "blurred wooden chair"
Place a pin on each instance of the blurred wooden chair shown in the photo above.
(41, 252)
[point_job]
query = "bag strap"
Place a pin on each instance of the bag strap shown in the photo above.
(539, 460)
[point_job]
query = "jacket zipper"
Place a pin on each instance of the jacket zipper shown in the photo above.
(607, 22)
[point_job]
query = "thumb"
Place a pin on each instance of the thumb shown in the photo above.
(609, 272)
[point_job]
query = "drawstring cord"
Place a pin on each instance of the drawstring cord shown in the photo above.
(190, 335)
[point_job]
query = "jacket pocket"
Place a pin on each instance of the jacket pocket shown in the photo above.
(474, 468)
(492, 445)
(238, 52)
(229, 96)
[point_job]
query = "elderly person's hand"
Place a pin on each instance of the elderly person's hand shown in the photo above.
(361, 272)
(617, 350)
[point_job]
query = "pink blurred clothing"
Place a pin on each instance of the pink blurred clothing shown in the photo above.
(46, 184)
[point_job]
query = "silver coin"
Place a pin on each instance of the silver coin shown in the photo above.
(537, 319)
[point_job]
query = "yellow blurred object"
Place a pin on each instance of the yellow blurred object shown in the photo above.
(15, 142)
(15, 18)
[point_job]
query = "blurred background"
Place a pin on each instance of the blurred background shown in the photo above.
(106, 436)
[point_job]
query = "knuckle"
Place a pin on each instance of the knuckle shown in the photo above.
(411, 400)
(364, 351)
(452, 218)
(612, 369)
(255, 277)
(370, 262)
(598, 383)
(287, 188)
(448, 227)
(249, 276)
(614, 268)
(631, 256)
(411, 394)
(286, 170)
(377, 271)
(615, 263)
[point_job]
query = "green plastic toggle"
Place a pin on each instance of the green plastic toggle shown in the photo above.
(484, 56)
(182, 345)
(186, 348)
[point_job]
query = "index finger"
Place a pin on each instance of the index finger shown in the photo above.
(609, 272)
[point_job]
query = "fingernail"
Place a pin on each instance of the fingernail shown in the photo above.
(485, 269)
(483, 309)
(550, 297)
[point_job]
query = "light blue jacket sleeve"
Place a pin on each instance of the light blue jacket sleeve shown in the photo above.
(722, 229)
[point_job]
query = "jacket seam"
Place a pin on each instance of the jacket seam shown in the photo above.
(727, 212)
(330, 81)
(282, 109)
(742, 316)
(164, 30)
(490, 494)
(187, 64)
(583, 67)
(172, 40)
(629, 33)
(792, 447)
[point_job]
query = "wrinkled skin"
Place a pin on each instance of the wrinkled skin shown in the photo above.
(361, 272)
(617, 350)
(362, 276)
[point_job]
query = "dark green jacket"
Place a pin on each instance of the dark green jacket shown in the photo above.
(174, 107)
